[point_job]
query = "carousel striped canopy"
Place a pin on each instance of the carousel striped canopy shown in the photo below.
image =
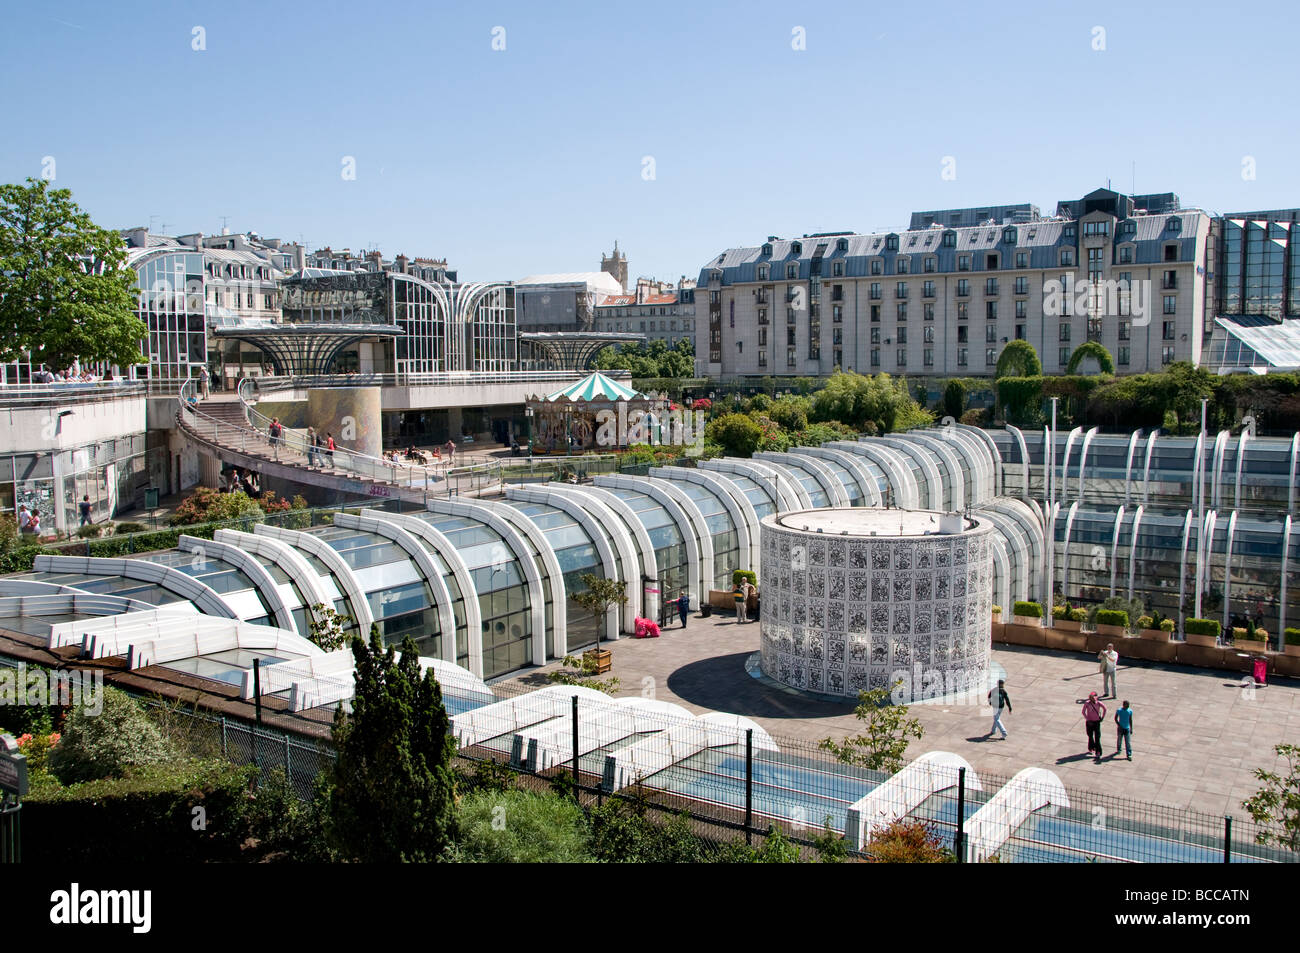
(595, 387)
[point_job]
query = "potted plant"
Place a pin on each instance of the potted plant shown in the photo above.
(1256, 638)
(1203, 632)
(1157, 633)
(1148, 629)
(1291, 638)
(997, 615)
(599, 595)
(1239, 634)
(1112, 622)
(1027, 613)
(1063, 619)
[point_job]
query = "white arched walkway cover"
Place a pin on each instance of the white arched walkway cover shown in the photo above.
(993, 824)
(284, 556)
(836, 495)
(141, 570)
(897, 797)
(742, 511)
(866, 480)
(696, 538)
(70, 633)
(898, 471)
(338, 566)
(249, 566)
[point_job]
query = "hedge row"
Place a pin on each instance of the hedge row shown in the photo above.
(1291, 636)
(1028, 609)
(1202, 627)
(1112, 617)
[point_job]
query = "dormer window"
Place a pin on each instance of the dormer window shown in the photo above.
(1009, 236)
(792, 271)
(1175, 224)
(842, 245)
(949, 239)
(891, 243)
(767, 250)
(796, 248)
(762, 272)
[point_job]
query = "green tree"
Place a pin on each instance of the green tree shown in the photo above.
(103, 742)
(883, 745)
(1278, 801)
(600, 594)
(66, 291)
(1018, 359)
(954, 399)
(737, 434)
(1095, 350)
(393, 790)
(328, 627)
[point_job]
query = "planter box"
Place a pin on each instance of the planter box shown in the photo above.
(1066, 641)
(1155, 635)
(603, 659)
(1250, 645)
(1112, 631)
(1293, 650)
(1066, 626)
(1027, 620)
(1205, 641)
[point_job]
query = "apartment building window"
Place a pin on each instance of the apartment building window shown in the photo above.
(991, 261)
(762, 318)
(1022, 286)
(1171, 304)
(927, 289)
(902, 335)
(902, 310)
(837, 357)
(1067, 257)
(990, 286)
(789, 335)
(929, 266)
(1170, 281)
(874, 292)
(1126, 254)
(1122, 355)
(927, 311)
(837, 269)
(901, 266)
(1168, 331)
(837, 336)
(1167, 354)
(1063, 357)
(900, 289)
(991, 310)
(715, 297)
(1022, 259)
(789, 357)
(891, 243)
(1020, 332)
(949, 239)
(875, 266)
(1124, 331)
(791, 271)
(990, 334)
(837, 313)
(927, 357)
(961, 356)
(1094, 329)
(837, 292)
(1021, 307)
(875, 357)
(927, 335)
(762, 337)
(875, 335)
(762, 357)
(963, 287)
(902, 357)
(990, 356)
(1096, 228)
(732, 318)
(1094, 265)
(814, 351)
(1171, 252)
(762, 272)
(1069, 231)
(963, 310)
(875, 313)
(1065, 332)
(961, 336)
(963, 262)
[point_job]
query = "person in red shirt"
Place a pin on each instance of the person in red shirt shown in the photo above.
(1093, 713)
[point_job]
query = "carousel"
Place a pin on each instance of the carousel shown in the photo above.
(597, 414)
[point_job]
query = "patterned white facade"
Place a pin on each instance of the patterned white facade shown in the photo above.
(847, 610)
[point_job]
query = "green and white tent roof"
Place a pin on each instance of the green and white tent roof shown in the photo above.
(595, 387)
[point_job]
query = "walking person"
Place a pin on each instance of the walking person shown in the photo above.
(738, 594)
(84, 507)
(311, 446)
(34, 524)
(1109, 661)
(684, 607)
(276, 433)
(329, 447)
(1093, 713)
(1124, 730)
(999, 699)
(203, 382)
(24, 519)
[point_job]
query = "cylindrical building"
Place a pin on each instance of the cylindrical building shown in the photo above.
(862, 598)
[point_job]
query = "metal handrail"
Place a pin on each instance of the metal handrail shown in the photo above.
(442, 378)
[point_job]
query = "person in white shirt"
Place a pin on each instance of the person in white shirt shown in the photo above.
(1109, 659)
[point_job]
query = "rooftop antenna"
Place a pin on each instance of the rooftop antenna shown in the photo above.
(225, 225)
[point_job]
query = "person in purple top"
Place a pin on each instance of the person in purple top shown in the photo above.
(1093, 713)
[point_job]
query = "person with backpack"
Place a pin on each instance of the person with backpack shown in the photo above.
(1093, 713)
(84, 507)
(1124, 730)
(999, 699)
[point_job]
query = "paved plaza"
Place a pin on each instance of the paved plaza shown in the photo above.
(1198, 733)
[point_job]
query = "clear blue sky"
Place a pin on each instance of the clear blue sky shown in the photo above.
(530, 159)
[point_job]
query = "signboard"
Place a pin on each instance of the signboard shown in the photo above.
(13, 767)
(151, 498)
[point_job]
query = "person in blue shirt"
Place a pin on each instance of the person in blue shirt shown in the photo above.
(1124, 729)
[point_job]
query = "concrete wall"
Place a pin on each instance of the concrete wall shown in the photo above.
(37, 424)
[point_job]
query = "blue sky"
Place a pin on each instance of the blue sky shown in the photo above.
(530, 159)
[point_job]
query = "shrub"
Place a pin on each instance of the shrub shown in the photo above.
(1145, 622)
(1030, 610)
(121, 529)
(1291, 636)
(1061, 612)
(1238, 633)
(626, 832)
(1112, 617)
(1167, 625)
(1202, 627)
(744, 575)
(997, 610)
(106, 744)
(90, 532)
(977, 417)
(520, 827)
(908, 840)
(1078, 615)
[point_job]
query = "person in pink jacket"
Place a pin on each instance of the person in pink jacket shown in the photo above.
(1093, 714)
